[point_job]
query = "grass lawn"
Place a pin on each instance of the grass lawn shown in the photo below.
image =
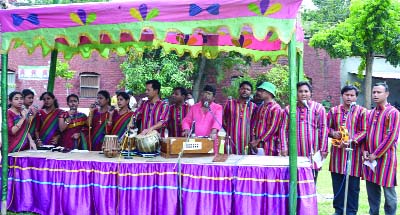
(325, 193)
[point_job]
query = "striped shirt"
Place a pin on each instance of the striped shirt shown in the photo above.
(382, 136)
(236, 121)
(266, 126)
(356, 123)
(311, 129)
(176, 115)
(150, 114)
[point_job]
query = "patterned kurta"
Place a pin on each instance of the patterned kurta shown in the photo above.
(382, 135)
(98, 130)
(356, 123)
(236, 121)
(266, 126)
(176, 115)
(150, 114)
(311, 129)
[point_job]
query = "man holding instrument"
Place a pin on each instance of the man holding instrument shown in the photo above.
(347, 126)
(206, 114)
(237, 117)
(380, 149)
(152, 113)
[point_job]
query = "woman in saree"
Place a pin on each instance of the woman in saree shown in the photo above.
(97, 120)
(29, 96)
(18, 124)
(47, 130)
(118, 120)
(73, 125)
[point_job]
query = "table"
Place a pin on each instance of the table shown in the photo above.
(89, 183)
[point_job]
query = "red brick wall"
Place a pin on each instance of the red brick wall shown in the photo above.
(109, 71)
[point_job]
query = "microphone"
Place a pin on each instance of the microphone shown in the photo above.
(305, 103)
(352, 105)
(206, 104)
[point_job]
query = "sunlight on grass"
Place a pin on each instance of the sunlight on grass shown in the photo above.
(325, 193)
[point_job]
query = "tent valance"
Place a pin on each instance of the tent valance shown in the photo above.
(259, 29)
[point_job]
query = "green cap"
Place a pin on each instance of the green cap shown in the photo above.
(268, 87)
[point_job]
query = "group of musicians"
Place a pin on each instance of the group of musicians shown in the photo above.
(373, 134)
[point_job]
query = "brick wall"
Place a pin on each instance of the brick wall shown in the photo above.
(109, 71)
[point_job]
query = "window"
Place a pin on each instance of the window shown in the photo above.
(11, 81)
(90, 85)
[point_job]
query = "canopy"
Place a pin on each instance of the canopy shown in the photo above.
(260, 29)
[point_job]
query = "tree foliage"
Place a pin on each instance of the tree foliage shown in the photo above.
(372, 27)
(327, 14)
(169, 69)
(62, 71)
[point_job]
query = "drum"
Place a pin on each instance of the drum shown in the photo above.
(110, 146)
(148, 143)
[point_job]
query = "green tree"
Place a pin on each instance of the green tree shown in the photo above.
(62, 71)
(169, 69)
(327, 14)
(372, 27)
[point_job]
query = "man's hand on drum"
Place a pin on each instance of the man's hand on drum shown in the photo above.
(146, 131)
(75, 136)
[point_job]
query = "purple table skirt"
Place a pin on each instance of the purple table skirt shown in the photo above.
(50, 186)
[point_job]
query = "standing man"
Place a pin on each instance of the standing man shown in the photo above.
(206, 115)
(267, 120)
(381, 145)
(237, 119)
(152, 113)
(177, 112)
(312, 133)
(352, 117)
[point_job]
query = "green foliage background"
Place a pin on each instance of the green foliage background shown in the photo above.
(169, 69)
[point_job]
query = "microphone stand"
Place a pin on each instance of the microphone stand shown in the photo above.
(219, 123)
(349, 151)
(179, 162)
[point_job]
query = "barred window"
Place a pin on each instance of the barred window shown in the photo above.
(89, 84)
(11, 81)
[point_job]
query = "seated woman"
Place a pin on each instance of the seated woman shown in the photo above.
(47, 130)
(73, 125)
(118, 121)
(97, 120)
(18, 124)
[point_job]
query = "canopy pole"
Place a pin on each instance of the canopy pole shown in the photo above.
(293, 79)
(52, 73)
(300, 67)
(4, 133)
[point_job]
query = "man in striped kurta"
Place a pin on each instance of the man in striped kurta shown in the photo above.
(177, 111)
(237, 117)
(152, 113)
(352, 117)
(266, 121)
(312, 133)
(381, 144)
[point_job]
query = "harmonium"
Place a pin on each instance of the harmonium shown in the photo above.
(192, 147)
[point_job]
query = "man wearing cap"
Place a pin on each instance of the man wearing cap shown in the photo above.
(312, 135)
(205, 115)
(237, 118)
(266, 121)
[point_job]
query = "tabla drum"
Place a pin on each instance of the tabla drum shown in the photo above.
(111, 147)
(148, 143)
